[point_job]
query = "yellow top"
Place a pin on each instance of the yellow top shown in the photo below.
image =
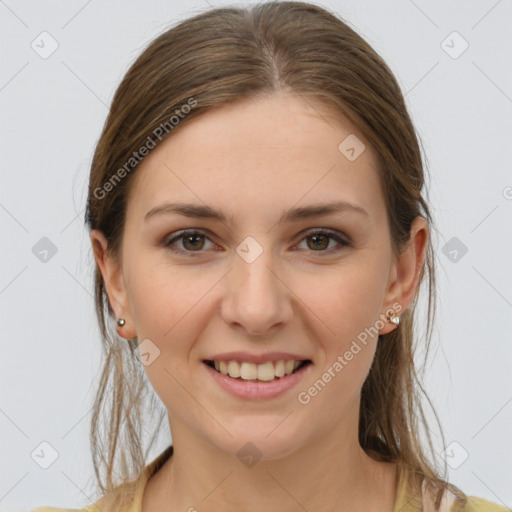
(404, 503)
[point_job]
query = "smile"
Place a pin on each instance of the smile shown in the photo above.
(266, 372)
(253, 388)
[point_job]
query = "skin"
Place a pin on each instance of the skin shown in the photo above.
(255, 159)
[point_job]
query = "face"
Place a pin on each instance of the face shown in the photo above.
(255, 282)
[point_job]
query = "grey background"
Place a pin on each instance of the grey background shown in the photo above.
(52, 112)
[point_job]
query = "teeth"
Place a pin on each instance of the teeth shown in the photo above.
(279, 369)
(234, 369)
(223, 368)
(265, 371)
(250, 371)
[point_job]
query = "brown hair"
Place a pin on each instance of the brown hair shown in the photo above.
(222, 56)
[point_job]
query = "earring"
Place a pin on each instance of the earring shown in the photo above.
(121, 322)
(394, 319)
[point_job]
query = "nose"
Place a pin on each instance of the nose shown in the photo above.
(257, 298)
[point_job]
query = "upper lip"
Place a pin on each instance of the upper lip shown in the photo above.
(257, 358)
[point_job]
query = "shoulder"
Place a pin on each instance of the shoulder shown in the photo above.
(476, 504)
(56, 509)
(106, 503)
(450, 502)
(126, 497)
(101, 504)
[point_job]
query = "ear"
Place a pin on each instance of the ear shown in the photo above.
(406, 272)
(114, 284)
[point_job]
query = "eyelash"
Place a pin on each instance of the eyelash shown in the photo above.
(186, 233)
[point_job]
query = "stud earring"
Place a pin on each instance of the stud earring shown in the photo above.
(394, 319)
(121, 322)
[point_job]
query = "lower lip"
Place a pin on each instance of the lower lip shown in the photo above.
(254, 390)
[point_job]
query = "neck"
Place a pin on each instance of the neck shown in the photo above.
(331, 473)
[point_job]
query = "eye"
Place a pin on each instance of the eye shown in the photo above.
(321, 238)
(192, 241)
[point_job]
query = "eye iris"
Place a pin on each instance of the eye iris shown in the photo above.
(187, 239)
(194, 242)
(316, 237)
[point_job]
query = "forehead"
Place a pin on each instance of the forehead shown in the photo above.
(263, 154)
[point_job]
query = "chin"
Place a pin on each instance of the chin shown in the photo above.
(253, 444)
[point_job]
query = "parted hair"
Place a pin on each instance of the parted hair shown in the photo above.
(218, 57)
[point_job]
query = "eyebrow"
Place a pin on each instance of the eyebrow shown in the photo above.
(198, 211)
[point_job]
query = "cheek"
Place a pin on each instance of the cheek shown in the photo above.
(346, 301)
(167, 310)
(344, 306)
(162, 295)
(347, 308)
(170, 308)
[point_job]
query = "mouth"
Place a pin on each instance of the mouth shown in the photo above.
(266, 372)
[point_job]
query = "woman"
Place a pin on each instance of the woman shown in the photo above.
(257, 219)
